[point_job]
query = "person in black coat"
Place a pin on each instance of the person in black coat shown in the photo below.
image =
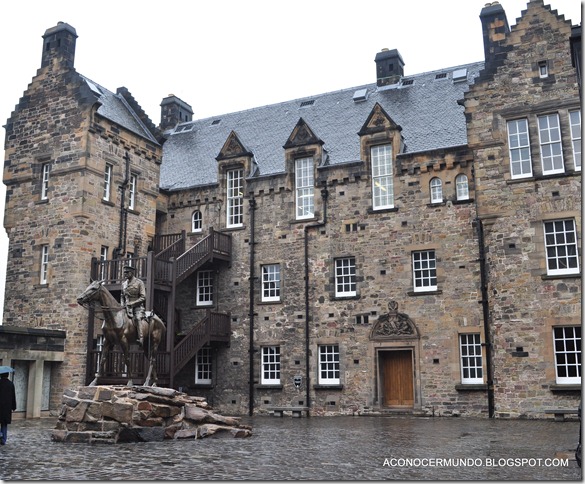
(7, 405)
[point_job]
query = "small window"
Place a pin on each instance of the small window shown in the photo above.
(270, 365)
(305, 188)
(345, 280)
(543, 69)
(471, 358)
(519, 147)
(567, 342)
(560, 238)
(567, 346)
(205, 288)
(107, 182)
(329, 365)
(271, 282)
(436, 187)
(551, 150)
(424, 268)
(132, 190)
(203, 366)
(44, 274)
(575, 117)
(462, 186)
(45, 171)
(196, 221)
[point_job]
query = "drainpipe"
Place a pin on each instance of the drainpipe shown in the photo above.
(251, 313)
(486, 317)
(121, 249)
(324, 196)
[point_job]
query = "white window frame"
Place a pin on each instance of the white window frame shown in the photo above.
(205, 288)
(470, 358)
(235, 198)
(45, 173)
(424, 270)
(103, 257)
(270, 282)
(196, 221)
(204, 366)
(519, 148)
(382, 177)
(329, 370)
(551, 148)
(270, 370)
(575, 120)
(132, 192)
(304, 188)
(462, 186)
(562, 252)
(436, 188)
(567, 350)
(345, 277)
(543, 69)
(44, 272)
(108, 171)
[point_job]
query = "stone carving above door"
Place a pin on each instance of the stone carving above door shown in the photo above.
(394, 325)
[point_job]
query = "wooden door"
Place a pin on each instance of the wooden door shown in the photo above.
(397, 378)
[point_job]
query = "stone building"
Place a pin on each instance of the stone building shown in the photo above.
(408, 245)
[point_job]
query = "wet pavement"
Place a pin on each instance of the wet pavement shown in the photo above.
(317, 448)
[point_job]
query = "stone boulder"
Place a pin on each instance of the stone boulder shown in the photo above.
(115, 414)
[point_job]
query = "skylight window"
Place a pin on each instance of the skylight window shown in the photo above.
(360, 95)
(215, 121)
(442, 75)
(307, 103)
(460, 75)
(407, 82)
(184, 128)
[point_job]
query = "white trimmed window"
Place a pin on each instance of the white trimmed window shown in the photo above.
(345, 281)
(551, 150)
(567, 343)
(196, 221)
(203, 366)
(271, 282)
(471, 359)
(519, 146)
(424, 270)
(270, 365)
(205, 288)
(329, 365)
(103, 259)
(462, 187)
(235, 198)
(575, 117)
(560, 238)
(304, 188)
(44, 274)
(436, 186)
(108, 182)
(382, 177)
(45, 171)
(132, 190)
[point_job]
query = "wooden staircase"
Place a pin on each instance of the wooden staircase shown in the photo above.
(162, 270)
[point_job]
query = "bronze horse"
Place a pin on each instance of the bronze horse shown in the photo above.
(118, 328)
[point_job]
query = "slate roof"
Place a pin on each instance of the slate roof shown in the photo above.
(427, 111)
(115, 108)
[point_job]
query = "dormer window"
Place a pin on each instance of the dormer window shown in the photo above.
(543, 69)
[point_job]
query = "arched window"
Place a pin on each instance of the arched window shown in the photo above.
(436, 190)
(196, 220)
(462, 187)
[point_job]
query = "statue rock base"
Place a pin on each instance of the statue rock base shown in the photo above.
(117, 414)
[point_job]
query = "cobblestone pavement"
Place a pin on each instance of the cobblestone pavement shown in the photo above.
(316, 448)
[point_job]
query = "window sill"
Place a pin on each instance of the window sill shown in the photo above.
(471, 387)
(567, 387)
(372, 210)
(234, 229)
(463, 202)
(552, 176)
(424, 293)
(546, 277)
(41, 286)
(132, 211)
(266, 303)
(328, 387)
(203, 386)
(107, 202)
(436, 204)
(42, 202)
(344, 298)
(261, 386)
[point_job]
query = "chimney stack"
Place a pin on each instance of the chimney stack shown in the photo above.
(495, 30)
(174, 111)
(59, 43)
(389, 67)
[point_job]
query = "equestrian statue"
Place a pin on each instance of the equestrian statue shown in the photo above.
(126, 323)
